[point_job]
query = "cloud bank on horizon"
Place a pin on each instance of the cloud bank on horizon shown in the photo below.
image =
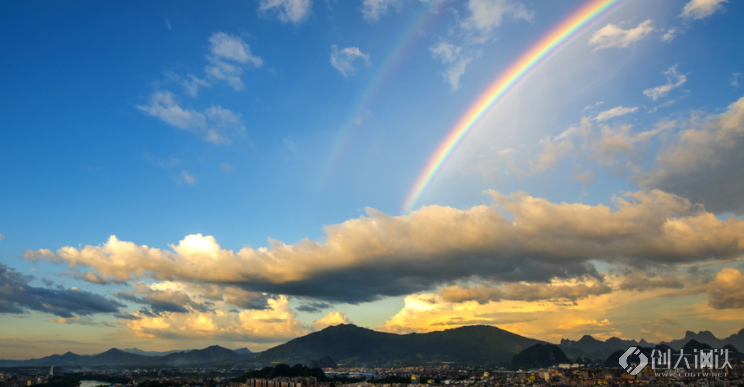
(605, 187)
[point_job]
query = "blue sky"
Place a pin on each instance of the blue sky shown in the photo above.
(156, 121)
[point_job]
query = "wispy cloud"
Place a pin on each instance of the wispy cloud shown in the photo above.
(210, 125)
(373, 9)
(674, 80)
(343, 60)
(614, 112)
(287, 11)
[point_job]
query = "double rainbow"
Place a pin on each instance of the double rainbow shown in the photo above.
(529, 60)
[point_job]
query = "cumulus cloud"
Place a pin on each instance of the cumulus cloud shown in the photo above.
(210, 125)
(612, 35)
(275, 324)
(2, 237)
(332, 319)
(726, 290)
(518, 238)
(343, 60)
(700, 9)
(287, 11)
(674, 80)
(701, 159)
(614, 112)
(17, 296)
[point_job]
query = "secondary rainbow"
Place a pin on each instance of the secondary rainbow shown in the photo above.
(535, 55)
(396, 54)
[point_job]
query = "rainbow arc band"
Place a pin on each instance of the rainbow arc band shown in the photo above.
(538, 53)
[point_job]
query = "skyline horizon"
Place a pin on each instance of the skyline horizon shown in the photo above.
(560, 343)
(180, 174)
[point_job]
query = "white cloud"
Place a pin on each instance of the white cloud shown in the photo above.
(592, 106)
(162, 105)
(452, 56)
(674, 80)
(373, 9)
(191, 86)
(672, 33)
(614, 112)
(612, 35)
(485, 15)
(288, 11)
(2, 237)
(230, 47)
(290, 145)
(700, 9)
(332, 319)
(187, 178)
(614, 142)
(552, 152)
(735, 81)
(586, 177)
(228, 53)
(343, 60)
(209, 125)
(516, 238)
(226, 167)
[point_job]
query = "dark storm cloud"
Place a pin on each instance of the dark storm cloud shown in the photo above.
(313, 307)
(17, 296)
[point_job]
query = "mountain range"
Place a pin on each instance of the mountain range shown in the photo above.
(116, 357)
(590, 347)
(348, 344)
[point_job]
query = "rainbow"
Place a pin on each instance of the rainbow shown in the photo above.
(398, 50)
(530, 59)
